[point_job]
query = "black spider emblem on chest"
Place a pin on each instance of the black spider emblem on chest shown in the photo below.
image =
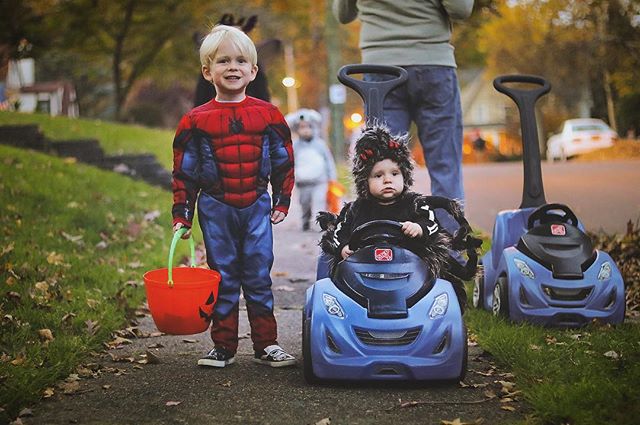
(236, 126)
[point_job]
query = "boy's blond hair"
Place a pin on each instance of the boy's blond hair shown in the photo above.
(218, 34)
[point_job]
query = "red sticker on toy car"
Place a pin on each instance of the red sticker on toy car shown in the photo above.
(383, 254)
(558, 230)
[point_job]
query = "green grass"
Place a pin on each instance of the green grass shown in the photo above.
(564, 374)
(114, 138)
(74, 243)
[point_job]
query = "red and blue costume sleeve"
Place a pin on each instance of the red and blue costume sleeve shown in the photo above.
(186, 163)
(281, 158)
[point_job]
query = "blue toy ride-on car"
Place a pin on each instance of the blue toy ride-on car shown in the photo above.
(542, 267)
(382, 316)
(382, 313)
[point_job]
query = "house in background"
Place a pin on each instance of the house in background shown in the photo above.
(488, 113)
(51, 97)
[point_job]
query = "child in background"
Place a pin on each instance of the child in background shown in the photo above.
(225, 152)
(314, 165)
(383, 173)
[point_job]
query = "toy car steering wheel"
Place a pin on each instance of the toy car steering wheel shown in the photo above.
(544, 216)
(385, 231)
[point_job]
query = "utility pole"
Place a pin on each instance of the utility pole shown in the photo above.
(290, 82)
(337, 92)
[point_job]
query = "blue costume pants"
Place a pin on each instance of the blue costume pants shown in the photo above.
(239, 244)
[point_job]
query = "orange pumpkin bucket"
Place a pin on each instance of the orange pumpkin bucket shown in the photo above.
(181, 299)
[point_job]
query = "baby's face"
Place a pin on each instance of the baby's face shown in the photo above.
(305, 130)
(386, 182)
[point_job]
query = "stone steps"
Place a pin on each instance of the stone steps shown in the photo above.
(138, 166)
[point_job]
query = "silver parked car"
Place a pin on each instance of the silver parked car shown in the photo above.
(580, 136)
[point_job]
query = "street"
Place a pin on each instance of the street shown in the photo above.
(603, 194)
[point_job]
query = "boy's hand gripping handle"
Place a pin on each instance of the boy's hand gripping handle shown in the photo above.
(533, 190)
(372, 92)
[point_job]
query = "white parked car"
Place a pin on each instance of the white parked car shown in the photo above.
(580, 136)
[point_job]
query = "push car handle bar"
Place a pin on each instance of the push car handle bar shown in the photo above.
(372, 92)
(533, 190)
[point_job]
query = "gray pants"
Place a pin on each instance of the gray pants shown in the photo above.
(313, 199)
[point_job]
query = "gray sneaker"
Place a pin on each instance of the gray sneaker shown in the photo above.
(274, 356)
(217, 357)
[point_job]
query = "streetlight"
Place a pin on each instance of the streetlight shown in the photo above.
(288, 82)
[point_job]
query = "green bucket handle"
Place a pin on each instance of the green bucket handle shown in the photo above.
(176, 237)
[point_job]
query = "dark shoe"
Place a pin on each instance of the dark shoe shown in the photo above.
(274, 356)
(217, 357)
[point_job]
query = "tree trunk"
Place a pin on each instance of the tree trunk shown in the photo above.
(611, 110)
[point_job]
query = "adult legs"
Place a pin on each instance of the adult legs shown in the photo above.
(437, 112)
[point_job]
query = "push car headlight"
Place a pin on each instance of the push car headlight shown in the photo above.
(524, 269)
(439, 306)
(332, 306)
(605, 271)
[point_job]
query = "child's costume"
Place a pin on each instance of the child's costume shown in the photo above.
(225, 154)
(314, 166)
(435, 245)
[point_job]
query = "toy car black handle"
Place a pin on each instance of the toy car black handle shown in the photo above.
(533, 190)
(372, 92)
(542, 214)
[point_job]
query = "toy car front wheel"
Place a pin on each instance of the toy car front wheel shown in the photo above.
(478, 291)
(307, 364)
(500, 305)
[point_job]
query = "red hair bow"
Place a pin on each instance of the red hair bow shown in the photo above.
(366, 154)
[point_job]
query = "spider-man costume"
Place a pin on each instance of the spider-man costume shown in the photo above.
(225, 154)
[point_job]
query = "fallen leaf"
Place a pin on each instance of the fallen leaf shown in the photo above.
(106, 387)
(77, 239)
(7, 249)
(325, 421)
(67, 317)
(612, 355)
(69, 387)
(18, 360)
(489, 394)
(54, 258)
(156, 345)
(172, 403)
(508, 408)
(26, 412)
(92, 303)
(506, 386)
(189, 341)
(118, 341)
(119, 359)
(45, 335)
(152, 358)
(48, 392)
(92, 326)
